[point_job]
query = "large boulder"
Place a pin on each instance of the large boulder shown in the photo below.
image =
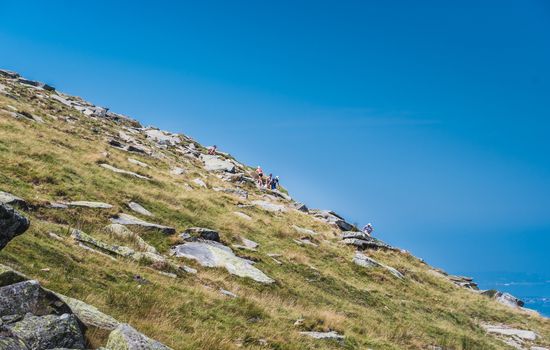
(213, 254)
(12, 224)
(49, 332)
(364, 241)
(332, 218)
(8, 198)
(124, 337)
(215, 163)
(88, 314)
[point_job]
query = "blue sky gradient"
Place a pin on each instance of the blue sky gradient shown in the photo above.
(430, 119)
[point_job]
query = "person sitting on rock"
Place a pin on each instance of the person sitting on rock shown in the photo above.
(260, 174)
(212, 150)
(368, 229)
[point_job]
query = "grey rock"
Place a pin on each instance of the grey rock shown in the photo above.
(139, 209)
(177, 171)
(137, 162)
(200, 183)
(242, 215)
(510, 332)
(50, 332)
(21, 298)
(324, 335)
(368, 262)
(504, 298)
(301, 207)
(12, 224)
(87, 204)
(304, 231)
(213, 254)
(462, 281)
(203, 233)
(332, 218)
(120, 171)
(249, 243)
(12, 344)
(162, 137)
(37, 84)
(189, 269)
(268, 206)
(228, 293)
(215, 163)
(236, 191)
(8, 198)
(125, 219)
(9, 276)
(124, 337)
(363, 241)
(9, 74)
(88, 314)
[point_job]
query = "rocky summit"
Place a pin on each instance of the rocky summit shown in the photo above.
(115, 235)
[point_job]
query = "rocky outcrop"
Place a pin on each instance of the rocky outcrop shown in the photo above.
(364, 241)
(213, 254)
(88, 314)
(463, 281)
(504, 298)
(49, 332)
(333, 219)
(12, 224)
(129, 220)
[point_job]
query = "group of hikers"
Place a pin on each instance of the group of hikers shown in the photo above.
(269, 182)
(272, 183)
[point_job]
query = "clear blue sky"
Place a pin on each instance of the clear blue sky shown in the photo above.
(430, 119)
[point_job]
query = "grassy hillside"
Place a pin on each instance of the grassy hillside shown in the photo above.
(57, 157)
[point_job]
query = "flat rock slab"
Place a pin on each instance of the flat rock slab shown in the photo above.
(324, 335)
(137, 162)
(212, 254)
(121, 171)
(368, 262)
(86, 204)
(139, 209)
(507, 331)
(124, 337)
(268, 206)
(215, 163)
(126, 219)
(332, 218)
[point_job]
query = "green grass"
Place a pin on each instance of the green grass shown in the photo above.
(58, 161)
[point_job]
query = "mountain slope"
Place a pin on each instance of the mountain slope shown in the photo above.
(57, 149)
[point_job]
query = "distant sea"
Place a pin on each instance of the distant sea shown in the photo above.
(533, 289)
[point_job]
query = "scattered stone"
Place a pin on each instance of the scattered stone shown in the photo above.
(120, 171)
(177, 171)
(22, 298)
(215, 163)
(242, 215)
(137, 162)
(304, 231)
(8, 198)
(213, 254)
(228, 293)
(299, 322)
(368, 262)
(124, 337)
(86, 204)
(126, 219)
(200, 183)
(202, 233)
(268, 206)
(504, 298)
(139, 209)
(12, 224)
(249, 244)
(324, 335)
(189, 269)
